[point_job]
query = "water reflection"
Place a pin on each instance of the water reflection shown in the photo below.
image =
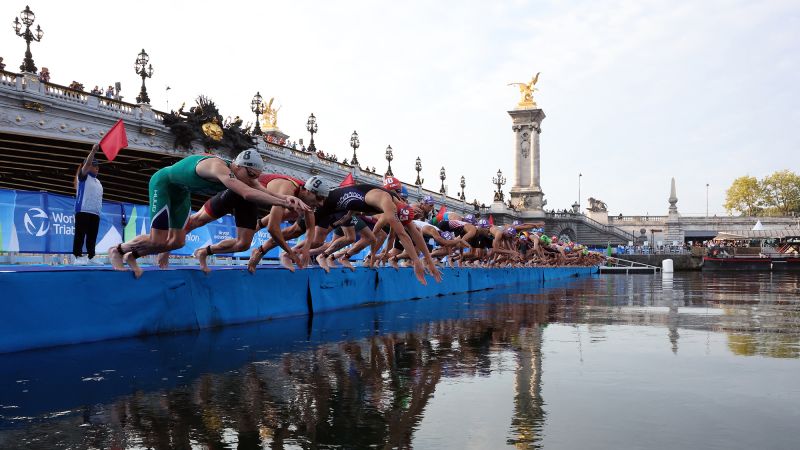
(368, 377)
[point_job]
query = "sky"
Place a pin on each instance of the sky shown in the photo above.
(635, 92)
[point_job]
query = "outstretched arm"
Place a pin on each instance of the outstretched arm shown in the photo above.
(87, 163)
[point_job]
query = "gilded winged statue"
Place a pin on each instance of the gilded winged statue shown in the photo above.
(270, 115)
(526, 89)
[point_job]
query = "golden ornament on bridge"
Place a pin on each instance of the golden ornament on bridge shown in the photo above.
(213, 130)
(526, 89)
(270, 116)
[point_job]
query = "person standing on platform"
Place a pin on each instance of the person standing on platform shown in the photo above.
(88, 204)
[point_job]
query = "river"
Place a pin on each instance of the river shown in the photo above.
(694, 360)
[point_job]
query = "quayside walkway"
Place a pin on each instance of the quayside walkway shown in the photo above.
(45, 306)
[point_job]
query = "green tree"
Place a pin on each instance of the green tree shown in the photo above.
(745, 196)
(781, 191)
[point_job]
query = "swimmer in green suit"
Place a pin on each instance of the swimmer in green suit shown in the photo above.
(170, 201)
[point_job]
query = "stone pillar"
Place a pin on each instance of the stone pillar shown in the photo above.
(526, 194)
(674, 229)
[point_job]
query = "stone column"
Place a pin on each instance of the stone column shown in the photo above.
(674, 228)
(526, 194)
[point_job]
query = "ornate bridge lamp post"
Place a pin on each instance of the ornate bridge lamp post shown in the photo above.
(499, 181)
(355, 143)
(257, 106)
(463, 185)
(27, 17)
(389, 157)
(418, 168)
(144, 70)
(442, 176)
(311, 127)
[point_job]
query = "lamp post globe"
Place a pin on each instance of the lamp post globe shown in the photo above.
(257, 107)
(144, 70)
(355, 143)
(311, 127)
(389, 158)
(26, 18)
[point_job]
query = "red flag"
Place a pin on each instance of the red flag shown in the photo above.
(440, 215)
(491, 221)
(114, 141)
(348, 180)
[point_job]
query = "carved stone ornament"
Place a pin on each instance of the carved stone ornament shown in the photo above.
(525, 145)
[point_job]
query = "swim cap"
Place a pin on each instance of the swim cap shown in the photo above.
(545, 239)
(523, 237)
(516, 223)
(449, 235)
(404, 192)
(483, 223)
(251, 159)
(392, 183)
(510, 231)
(469, 218)
(404, 213)
(428, 200)
(318, 186)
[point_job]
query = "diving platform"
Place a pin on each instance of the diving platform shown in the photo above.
(45, 306)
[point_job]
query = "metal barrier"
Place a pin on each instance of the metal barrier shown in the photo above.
(619, 265)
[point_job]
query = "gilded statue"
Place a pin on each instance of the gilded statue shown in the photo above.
(270, 115)
(526, 89)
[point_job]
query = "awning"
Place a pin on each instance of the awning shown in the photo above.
(778, 233)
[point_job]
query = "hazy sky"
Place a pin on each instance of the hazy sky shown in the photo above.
(635, 92)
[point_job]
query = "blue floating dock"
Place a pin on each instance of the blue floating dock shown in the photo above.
(45, 306)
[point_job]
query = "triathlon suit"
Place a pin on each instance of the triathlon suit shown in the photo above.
(421, 225)
(244, 213)
(347, 198)
(356, 221)
(171, 190)
(454, 226)
(482, 239)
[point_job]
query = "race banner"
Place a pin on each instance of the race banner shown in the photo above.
(39, 222)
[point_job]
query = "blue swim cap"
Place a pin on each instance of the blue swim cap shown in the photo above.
(404, 192)
(428, 200)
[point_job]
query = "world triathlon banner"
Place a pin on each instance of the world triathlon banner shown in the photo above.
(39, 222)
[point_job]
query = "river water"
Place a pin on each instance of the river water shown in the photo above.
(696, 360)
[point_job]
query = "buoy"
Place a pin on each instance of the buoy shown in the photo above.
(666, 266)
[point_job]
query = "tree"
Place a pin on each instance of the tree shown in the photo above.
(781, 191)
(745, 196)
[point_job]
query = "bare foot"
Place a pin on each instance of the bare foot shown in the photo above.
(323, 262)
(286, 262)
(131, 260)
(115, 257)
(346, 262)
(255, 258)
(332, 262)
(162, 260)
(201, 254)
